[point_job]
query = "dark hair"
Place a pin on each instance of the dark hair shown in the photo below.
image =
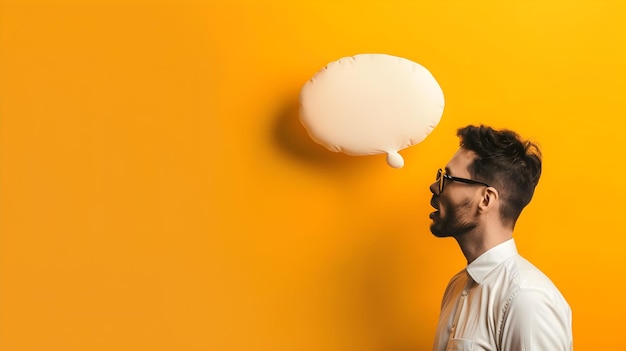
(508, 163)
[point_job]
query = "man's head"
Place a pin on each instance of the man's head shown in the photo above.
(490, 165)
(506, 162)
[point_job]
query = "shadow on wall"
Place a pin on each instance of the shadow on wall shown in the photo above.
(371, 290)
(362, 285)
(294, 141)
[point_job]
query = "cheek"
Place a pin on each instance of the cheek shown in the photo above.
(455, 207)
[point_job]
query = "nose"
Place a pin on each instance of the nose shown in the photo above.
(434, 188)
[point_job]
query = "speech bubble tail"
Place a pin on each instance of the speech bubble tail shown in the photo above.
(394, 159)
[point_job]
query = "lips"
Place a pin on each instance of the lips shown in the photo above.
(435, 205)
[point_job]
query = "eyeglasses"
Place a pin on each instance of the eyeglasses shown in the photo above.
(442, 176)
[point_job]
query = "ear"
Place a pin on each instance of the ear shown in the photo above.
(489, 199)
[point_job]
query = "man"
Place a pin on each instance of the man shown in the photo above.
(500, 301)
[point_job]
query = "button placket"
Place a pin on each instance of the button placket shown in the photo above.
(459, 308)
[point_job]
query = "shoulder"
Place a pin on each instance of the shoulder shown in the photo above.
(535, 310)
(528, 277)
(530, 286)
(536, 318)
(517, 284)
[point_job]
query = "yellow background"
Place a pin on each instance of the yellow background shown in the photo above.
(157, 191)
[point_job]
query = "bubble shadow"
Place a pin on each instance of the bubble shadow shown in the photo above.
(293, 140)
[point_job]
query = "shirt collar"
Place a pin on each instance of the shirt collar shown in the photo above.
(486, 262)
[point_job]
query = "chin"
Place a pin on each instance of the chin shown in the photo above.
(436, 232)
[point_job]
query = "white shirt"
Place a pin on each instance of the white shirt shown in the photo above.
(502, 302)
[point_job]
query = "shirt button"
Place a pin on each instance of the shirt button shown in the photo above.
(464, 293)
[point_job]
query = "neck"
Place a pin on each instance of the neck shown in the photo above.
(477, 242)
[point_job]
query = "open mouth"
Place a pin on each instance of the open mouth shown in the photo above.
(435, 205)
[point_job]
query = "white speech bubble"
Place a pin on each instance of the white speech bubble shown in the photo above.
(371, 104)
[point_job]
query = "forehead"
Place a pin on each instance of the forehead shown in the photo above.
(460, 161)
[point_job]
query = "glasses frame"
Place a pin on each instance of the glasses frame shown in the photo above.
(442, 175)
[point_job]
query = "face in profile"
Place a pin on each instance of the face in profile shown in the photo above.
(454, 198)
